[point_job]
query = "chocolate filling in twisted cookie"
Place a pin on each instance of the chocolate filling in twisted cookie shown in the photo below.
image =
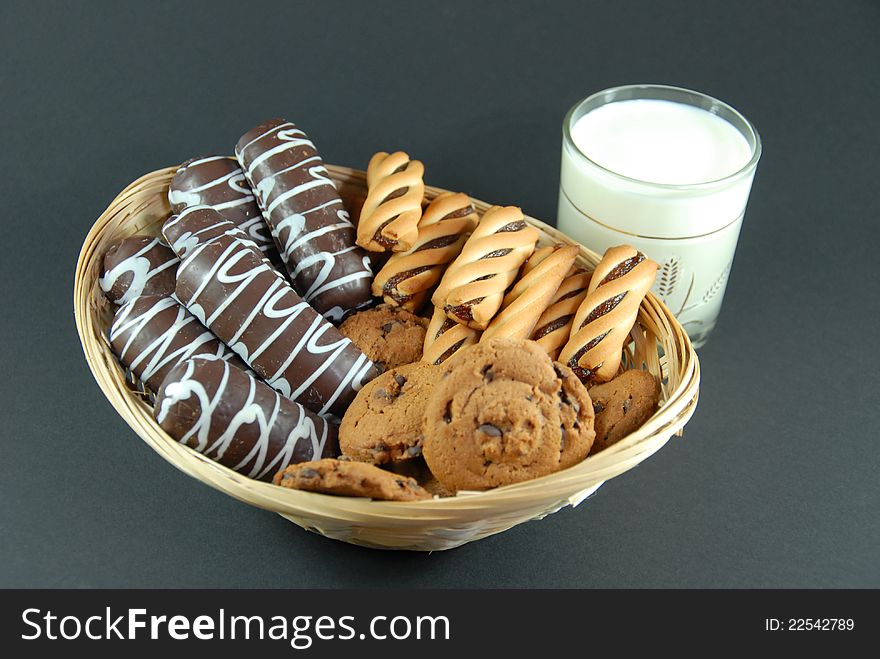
(406, 279)
(607, 313)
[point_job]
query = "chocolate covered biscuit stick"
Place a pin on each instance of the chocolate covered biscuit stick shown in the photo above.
(232, 290)
(231, 417)
(138, 265)
(196, 225)
(151, 334)
(310, 226)
(219, 183)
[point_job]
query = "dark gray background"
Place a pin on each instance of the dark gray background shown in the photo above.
(776, 480)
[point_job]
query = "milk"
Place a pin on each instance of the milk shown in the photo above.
(661, 142)
(658, 171)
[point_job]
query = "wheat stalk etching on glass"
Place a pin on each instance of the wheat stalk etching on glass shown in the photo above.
(667, 279)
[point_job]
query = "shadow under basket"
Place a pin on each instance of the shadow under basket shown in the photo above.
(659, 344)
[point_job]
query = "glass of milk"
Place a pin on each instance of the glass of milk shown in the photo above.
(667, 170)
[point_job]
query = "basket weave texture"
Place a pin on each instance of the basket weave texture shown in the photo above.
(659, 344)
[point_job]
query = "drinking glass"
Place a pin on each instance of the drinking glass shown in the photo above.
(689, 229)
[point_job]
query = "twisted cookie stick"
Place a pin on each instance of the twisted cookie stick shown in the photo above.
(605, 317)
(408, 276)
(553, 327)
(445, 337)
(531, 295)
(472, 290)
(391, 212)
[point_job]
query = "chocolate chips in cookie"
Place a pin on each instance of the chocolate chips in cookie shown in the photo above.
(623, 405)
(502, 412)
(389, 336)
(384, 422)
(418, 469)
(350, 479)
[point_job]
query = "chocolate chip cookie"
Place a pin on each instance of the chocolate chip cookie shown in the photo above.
(350, 479)
(418, 469)
(384, 422)
(389, 336)
(623, 405)
(502, 412)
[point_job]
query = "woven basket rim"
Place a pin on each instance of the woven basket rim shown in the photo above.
(677, 406)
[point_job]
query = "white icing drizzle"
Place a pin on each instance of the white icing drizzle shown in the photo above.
(189, 240)
(161, 351)
(257, 230)
(141, 271)
(210, 416)
(236, 181)
(288, 229)
(271, 305)
(200, 161)
(327, 261)
(290, 137)
(318, 174)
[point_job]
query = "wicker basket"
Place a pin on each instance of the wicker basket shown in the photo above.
(659, 343)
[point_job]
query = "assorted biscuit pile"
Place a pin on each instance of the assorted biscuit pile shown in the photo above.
(472, 359)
